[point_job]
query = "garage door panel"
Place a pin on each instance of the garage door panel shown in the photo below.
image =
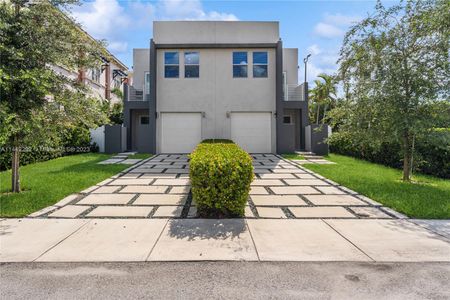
(180, 132)
(252, 131)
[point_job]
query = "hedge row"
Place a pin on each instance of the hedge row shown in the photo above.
(73, 141)
(431, 155)
(220, 174)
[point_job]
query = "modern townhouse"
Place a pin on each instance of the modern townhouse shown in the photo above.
(215, 80)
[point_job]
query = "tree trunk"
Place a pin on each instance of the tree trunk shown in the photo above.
(318, 113)
(406, 158)
(324, 113)
(15, 178)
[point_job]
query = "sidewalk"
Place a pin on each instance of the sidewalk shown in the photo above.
(101, 240)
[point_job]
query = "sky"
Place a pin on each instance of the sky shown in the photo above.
(315, 27)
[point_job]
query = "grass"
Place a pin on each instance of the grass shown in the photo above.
(46, 183)
(140, 156)
(425, 197)
(292, 156)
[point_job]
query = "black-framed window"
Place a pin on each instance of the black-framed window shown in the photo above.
(171, 65)
(240, 64)
(260, 62)
(287, 119)
(144, 120)
(191, 64)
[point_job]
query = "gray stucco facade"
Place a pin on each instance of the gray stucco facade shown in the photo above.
(216, 104)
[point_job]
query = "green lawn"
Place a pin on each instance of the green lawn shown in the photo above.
(427, 197)
(292, 156)
(46, 183)
(140, 156)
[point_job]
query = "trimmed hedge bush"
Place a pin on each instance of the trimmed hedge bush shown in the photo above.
(220, 174)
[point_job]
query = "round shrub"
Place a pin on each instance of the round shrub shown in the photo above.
(220, 175)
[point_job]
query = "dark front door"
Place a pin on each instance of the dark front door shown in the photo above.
(141, 131)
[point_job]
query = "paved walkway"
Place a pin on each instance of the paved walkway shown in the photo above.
(146, 214)
(160, 188)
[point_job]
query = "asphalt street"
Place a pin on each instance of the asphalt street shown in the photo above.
(225, 280)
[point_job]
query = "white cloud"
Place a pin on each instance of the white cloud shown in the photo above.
(114, 22)
(314, 49)
(334, 25)
(321, 61)
(327, 30)
(341, 20)
(190, 10)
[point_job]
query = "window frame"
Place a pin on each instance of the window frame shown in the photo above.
(96, 74)
(143, 117)
(290, 120)
(172, 65)
(147, 84)
(191, 64)
(240, 65)
(260, 64)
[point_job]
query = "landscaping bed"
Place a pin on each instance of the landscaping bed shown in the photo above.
(220, 174)
(46, 183)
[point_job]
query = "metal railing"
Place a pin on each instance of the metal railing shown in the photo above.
(135, 94)
(294, 92)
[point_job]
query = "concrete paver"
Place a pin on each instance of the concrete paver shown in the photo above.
(24, 240)
(394, 240)
(168, 211)
(154, 199)
(271, 212)
(106, 190)
(69, 211)
(105, 199)
(120, 211)
(204, 239)
(294, 190)
(369, 212)
(149, 189)
(321, 212)
(301, 240)
(334, 200)
(108, 240)
(273, 200)
(441, 227)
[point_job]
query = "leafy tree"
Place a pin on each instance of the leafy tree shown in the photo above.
(395, 68)
(37, 101)
(323, 94)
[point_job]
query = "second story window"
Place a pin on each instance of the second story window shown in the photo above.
(240, 64)
(191, 64)
(147, 83)
(259, 64)
(171, 65)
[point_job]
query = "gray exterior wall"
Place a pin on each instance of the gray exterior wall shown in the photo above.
(216, 92)
(141, 64)
(214, 32)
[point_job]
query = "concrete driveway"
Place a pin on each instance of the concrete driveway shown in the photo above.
(146, 214)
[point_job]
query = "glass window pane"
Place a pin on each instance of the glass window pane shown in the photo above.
(147, 83)
(145, 120)
(239, 58)
(191, 58)
(260, 58)
(171, 71)
(171, 58)
(191, 71)
(259, 71)
(239, 71)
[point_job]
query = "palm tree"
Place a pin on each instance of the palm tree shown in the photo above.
(324, 93)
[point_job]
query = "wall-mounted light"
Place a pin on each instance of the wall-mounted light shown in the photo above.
(228, 114)
(203, 114)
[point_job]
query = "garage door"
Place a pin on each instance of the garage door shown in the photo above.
(252, 131)
(180, 132)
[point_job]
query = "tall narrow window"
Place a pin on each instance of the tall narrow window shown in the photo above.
(259, 64)
(147, 83)
(95, 74)
(240, 64)
(191, 65)
(171, 65)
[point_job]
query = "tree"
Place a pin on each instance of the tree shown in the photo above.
(324, 93)
(36, 38)
(395, 65)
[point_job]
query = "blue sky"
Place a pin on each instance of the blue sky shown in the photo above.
(315, 27)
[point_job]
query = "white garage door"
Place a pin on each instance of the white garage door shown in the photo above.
(180, 132)
(252, 131)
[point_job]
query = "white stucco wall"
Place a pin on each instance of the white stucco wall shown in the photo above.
(141, 64)
(290, 64)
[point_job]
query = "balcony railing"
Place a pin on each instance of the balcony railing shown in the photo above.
(294, 92)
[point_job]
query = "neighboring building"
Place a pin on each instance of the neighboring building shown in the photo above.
(103, 80)
(215, 79)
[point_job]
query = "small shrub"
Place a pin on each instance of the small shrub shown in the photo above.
(221, 174)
